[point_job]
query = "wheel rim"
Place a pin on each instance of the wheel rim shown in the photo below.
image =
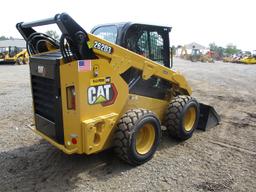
(190, 118)
(145, 139)
(19, 61)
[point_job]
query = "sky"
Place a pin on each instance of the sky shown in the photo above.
(202, 21)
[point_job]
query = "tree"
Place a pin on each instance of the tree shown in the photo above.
(213, 47)
(6, 38)
(218, 51)
(3, 38)
(52, 34)
(231, 49)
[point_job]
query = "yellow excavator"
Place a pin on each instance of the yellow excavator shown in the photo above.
(109, 88)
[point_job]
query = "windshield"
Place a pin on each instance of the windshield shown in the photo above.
(2, 50)
(108, 33)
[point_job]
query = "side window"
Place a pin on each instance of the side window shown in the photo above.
(156, 47)
(108, 33)
(142, 44)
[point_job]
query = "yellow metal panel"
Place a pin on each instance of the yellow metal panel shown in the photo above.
(157, 106)
(96, 132)
(71, 118)
(75, 121)
(148, 70)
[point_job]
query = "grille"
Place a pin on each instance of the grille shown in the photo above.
(44, 97)
(47, 95)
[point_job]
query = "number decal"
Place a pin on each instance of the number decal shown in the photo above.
(102, 47)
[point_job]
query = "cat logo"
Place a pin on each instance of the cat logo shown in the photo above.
(105, 94)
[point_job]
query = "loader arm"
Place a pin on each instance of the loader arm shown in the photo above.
(122, 59)
(87, 46)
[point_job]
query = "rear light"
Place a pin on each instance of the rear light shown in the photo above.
(74, 141)
(71, 98)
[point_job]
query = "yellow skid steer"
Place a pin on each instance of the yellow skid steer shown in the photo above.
(109, 88)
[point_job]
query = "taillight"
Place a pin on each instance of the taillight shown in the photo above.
(74, 141)
(71, 98)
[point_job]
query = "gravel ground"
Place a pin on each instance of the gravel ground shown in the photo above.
(220, 159)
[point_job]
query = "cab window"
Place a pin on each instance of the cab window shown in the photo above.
(13, 51)
(147, 42)
(157, 47)
(142, 45)
(108, 33)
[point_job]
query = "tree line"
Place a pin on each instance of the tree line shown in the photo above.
(6, 38)
(51, 33)
(230, 49)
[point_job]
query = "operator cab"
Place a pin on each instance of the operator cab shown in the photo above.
(254, 53)
(147, 40)
(3, 52)
(13, 50)
(196, 52)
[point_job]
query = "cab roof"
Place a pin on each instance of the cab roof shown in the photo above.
(124, 26)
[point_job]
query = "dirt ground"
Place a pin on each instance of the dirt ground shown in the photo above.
(220, 159)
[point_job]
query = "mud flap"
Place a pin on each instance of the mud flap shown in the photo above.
(208, 117)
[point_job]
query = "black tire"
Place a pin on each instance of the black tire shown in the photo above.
(193, 59)
(128, 127)
(19, 61)
(176, 114)
(25, 61)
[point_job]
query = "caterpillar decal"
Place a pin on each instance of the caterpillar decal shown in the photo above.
(105, 94)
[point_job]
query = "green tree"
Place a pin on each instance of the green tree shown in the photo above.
(232, 49)
(218, 51)
(6, 38)
(213, 47)
(52, 34)
(3, 38)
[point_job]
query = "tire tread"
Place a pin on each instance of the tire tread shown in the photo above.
(124, 131)
(173, 115)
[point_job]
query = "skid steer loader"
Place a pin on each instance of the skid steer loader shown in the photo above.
(113, 88)
(16, 55)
